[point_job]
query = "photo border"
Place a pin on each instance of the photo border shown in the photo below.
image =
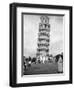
(13, 44)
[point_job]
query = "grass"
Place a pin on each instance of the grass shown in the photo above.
(48, 68)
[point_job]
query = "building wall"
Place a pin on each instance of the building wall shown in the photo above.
(43, 39)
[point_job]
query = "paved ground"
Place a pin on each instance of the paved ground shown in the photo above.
(49, 68)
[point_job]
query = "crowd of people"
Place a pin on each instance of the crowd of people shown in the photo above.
(29, 61)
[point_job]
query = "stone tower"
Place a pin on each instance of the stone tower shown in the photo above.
(43, 39)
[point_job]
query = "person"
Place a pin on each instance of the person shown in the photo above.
(60, 65)
(25, 66)
(29, 64)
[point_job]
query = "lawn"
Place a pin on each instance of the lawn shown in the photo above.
(48, 68)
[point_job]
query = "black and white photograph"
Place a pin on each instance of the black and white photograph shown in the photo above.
(40, 44)
(43, 44)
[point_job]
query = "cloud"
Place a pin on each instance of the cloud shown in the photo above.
(56, 48)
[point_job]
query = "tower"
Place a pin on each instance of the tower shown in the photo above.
(43, 39)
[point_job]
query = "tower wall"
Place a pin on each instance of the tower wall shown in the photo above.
(43, 39)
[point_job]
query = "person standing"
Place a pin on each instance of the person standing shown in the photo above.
(60, 65)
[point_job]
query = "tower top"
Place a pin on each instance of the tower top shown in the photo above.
(44, 19)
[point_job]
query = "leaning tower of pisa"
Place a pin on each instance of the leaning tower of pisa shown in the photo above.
(43, 39)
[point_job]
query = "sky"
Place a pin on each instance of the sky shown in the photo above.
(30, 34)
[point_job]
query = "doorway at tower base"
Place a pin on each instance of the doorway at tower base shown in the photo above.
(42, 59)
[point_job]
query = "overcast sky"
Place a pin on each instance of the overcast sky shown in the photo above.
(31, 29)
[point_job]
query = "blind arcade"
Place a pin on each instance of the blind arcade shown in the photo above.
(43, 39)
